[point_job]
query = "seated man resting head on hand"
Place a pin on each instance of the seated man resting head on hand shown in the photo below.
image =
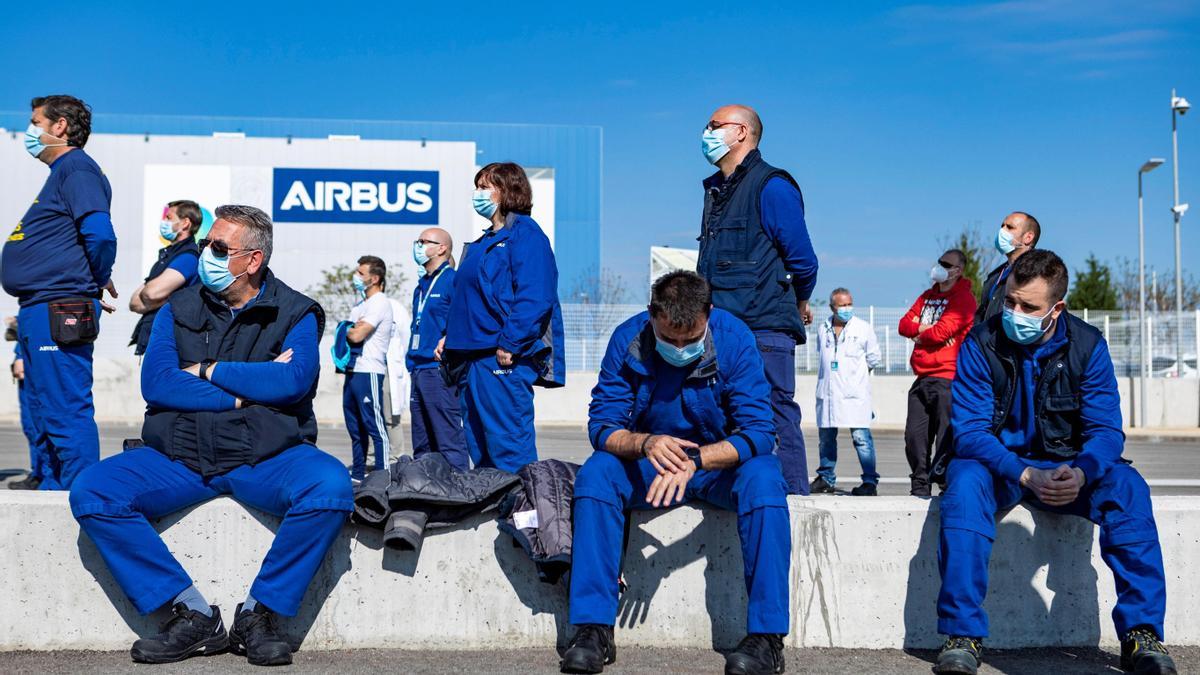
(681, 412)
(229, 379)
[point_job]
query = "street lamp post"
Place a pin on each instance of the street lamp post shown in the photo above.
(1149, 166)
(1180, 106)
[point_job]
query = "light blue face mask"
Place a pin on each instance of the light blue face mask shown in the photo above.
(419, 254)
(712, 142)
(482, 201)
(167, 229)
(1024, 329)
(844, 314)
(679, 356)
(1004, 242)
(33, 140)
(359, 284)
(214, 271)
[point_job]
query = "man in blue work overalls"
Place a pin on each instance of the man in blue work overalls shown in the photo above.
(681, 412)
(57, 260)
(229, 378)
(1037, 419)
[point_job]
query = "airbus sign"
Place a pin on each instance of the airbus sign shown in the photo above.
(355, 196)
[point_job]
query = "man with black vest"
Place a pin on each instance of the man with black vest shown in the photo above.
(1018, 234)
(229, 378)
(1037, 419)
(175, 268)
(756, 254)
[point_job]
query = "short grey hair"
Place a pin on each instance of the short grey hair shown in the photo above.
(838, 291)
(256, 224)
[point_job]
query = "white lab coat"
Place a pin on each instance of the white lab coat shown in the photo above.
(397, 349)
(844, 394)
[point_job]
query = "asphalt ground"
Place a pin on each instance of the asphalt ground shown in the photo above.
(1170, 464)
(1059, 661)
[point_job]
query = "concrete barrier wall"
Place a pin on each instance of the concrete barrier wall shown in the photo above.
(1172, 403)
(864, 574)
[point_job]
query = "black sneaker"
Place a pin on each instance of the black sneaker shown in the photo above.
(255, 636)
(820, 485)
(186, 634)
(1143, 653)
(590, 650)
(865, 490)
(26, 483)
(960, 655)
(756, 654)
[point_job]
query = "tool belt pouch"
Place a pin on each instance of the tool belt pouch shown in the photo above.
(73, 321)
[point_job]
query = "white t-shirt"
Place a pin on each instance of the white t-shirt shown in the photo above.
(377, 311)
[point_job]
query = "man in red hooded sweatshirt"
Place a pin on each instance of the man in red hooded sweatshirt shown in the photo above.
(937, 323)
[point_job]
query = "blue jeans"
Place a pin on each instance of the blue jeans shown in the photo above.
(864, 445)
(607, 488)
(1119, 502)
(114, 500)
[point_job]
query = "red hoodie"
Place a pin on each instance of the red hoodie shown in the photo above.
(951, 313)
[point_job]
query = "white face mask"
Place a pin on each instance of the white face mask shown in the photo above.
(938, 274)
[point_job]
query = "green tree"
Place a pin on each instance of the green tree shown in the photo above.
(1093, 287)
(336, 293)
(977, 249)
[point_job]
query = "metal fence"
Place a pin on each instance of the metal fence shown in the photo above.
(589, 326)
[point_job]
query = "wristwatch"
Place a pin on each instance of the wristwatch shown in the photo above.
(204, 366)
(694, 455)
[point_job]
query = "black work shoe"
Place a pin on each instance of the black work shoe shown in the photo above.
(255, 636)
(756, 654)
(865, 490)
(1142, 653)
(960, 655)
(186, 634)
(590, 650)
(26, 483)
(820, 485)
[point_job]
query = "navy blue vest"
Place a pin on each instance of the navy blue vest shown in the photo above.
(1056, 405)
(212, 443)
(737, 257)
(141, 332)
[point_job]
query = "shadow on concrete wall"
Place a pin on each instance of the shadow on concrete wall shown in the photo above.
(724, 580)
(539, 596)
(1018, 613)
(337, 563)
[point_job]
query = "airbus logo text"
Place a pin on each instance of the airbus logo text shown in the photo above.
(367, 196)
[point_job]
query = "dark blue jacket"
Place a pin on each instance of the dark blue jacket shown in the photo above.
(141, 332)
(204, 430)
(754, 246)
(1017, 406)
(506, 295)
(725, 397)
(64, 246)
(430, 325)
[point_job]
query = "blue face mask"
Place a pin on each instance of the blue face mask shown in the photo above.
(359, 284)
(421, 271)
(1024, 329)
(167, 229)
(482, 200)
(679, 356)
(214, 271)
(419, 253)
(844, 314)
(1004, 242)
(33, 140)
(712, 142)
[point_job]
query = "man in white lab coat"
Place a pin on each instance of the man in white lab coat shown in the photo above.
(849, 351)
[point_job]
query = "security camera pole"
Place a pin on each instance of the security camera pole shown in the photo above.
(1179, 105)
(1149, 166)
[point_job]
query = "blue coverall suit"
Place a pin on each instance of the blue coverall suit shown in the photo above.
(436, 412)
(114, 500)
(506, 295)
(62, 248)
(983, 479)
(722, 396)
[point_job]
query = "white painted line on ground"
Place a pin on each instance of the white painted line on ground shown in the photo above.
(1152, 482)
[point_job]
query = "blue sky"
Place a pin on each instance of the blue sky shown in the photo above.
(902, 122)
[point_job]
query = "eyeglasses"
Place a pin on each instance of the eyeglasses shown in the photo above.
(713, 125)
(220, 248)
(427, 242)
(946, 265)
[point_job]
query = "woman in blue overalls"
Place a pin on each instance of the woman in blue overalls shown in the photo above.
(504, 333)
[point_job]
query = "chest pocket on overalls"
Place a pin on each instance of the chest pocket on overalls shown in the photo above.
(1060, 418)
(729, 240)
